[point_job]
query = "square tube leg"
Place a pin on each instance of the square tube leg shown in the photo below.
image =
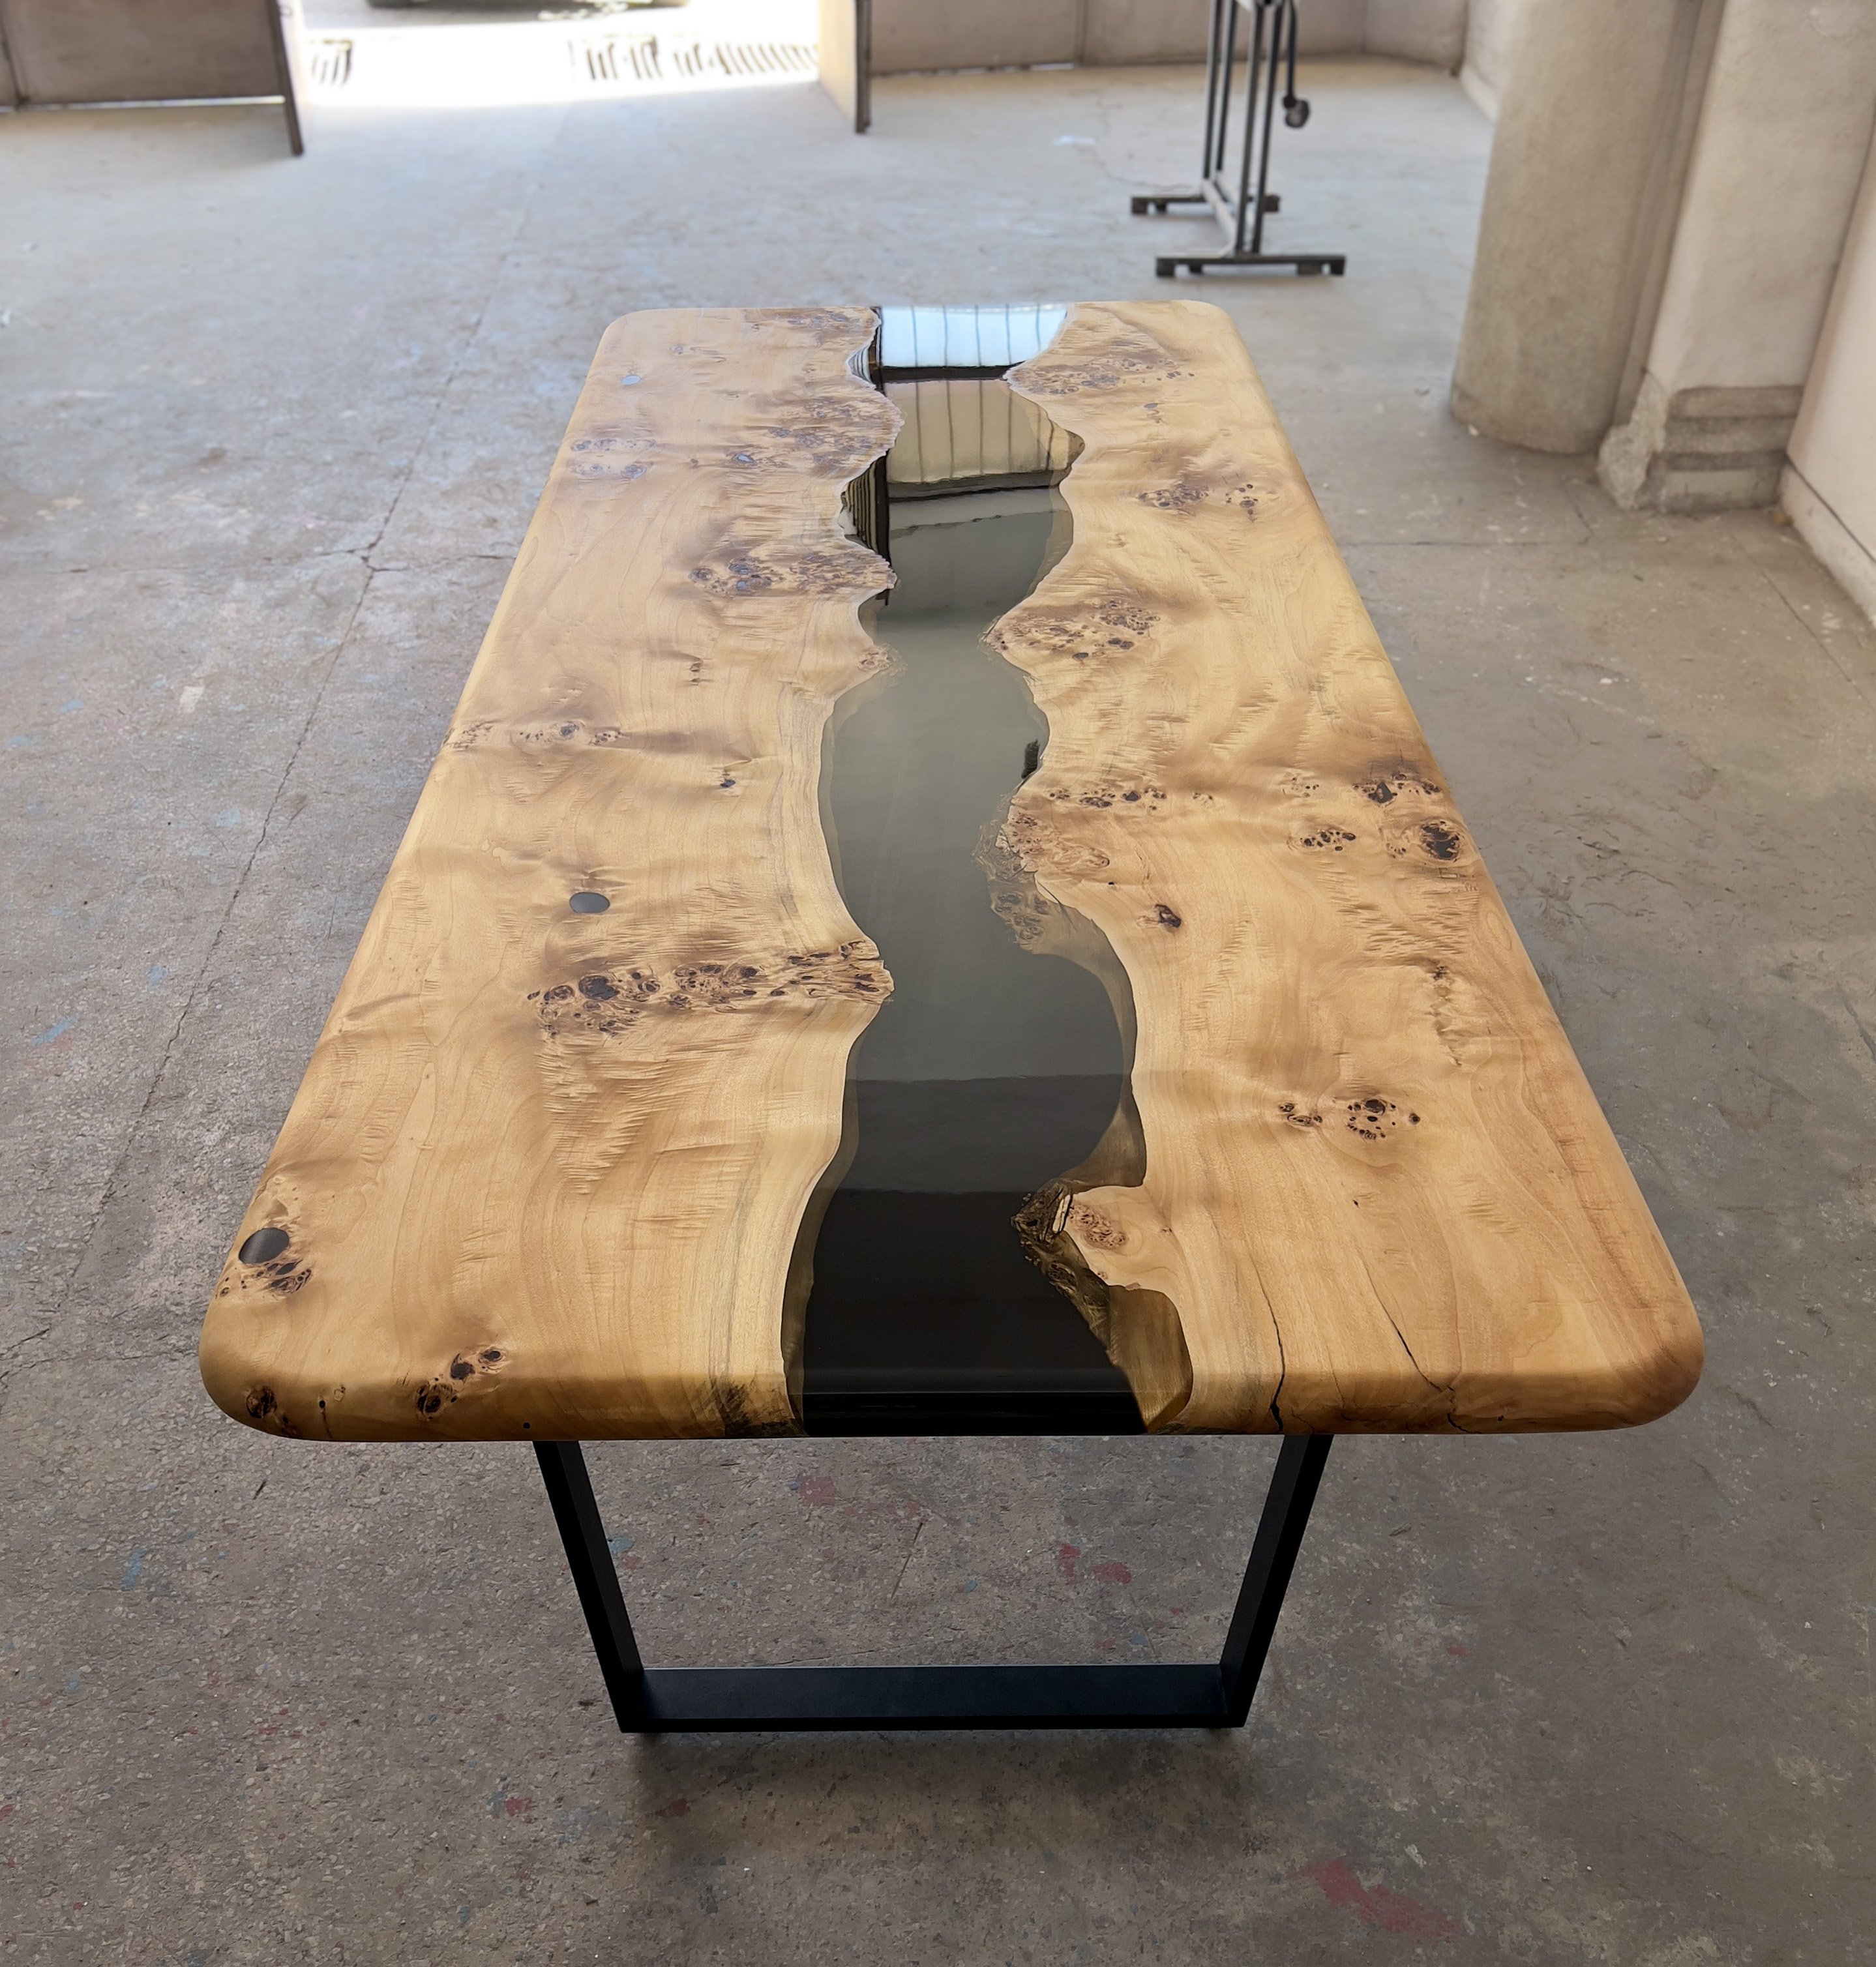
(1286, 1507)
(583, 1531)
(731, 1700)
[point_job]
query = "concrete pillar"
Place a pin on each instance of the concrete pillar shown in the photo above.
(1830, 486)
(1590, 110)
(1784, 133)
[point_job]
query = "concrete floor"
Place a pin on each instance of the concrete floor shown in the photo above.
(272, 431)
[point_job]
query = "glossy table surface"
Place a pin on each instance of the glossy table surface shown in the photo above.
(985, 1006)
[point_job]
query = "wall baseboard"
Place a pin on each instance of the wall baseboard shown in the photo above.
(1842, 554)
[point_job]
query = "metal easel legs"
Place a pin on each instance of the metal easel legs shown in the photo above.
(1241, 209)
(713, 1700)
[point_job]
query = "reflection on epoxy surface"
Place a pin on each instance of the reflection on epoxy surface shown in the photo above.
(921, 771)
(992, 1069)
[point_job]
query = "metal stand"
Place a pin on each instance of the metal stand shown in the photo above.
(1241, 211)
(744, 1699)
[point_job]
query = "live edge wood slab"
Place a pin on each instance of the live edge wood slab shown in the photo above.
(547, 1175)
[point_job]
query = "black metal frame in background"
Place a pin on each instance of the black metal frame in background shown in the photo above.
(720, 1699)
(1241, 211)
(283, 67)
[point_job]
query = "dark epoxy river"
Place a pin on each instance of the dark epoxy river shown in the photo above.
(991, 1071)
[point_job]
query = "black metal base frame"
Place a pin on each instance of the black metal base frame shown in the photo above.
(1240, 209)
(1165, 267)
(1169, 263)
(712, 1699)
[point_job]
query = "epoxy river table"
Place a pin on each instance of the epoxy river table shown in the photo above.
(1041, 984)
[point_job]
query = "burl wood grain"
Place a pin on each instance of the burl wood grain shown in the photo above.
(1378, 1192)
(548, 1173)
(544, 1176)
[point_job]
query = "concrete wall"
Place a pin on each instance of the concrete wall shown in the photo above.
(1671, 186)
(1420, 30)
(138, 50)
(1491, 26)
(1119, 31)
(1829, 487)
(912, 34)
(839, 59)
(1784, 129)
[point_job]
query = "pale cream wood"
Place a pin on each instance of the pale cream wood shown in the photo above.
(543, 1177)
(547, 1172)
(1379, 1193)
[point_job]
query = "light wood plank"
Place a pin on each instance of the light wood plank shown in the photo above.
(1378, 1194)
(544, 1173)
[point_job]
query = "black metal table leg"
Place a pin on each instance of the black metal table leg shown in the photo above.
(745, 1699)
(1286, 1506)
(582, 1531)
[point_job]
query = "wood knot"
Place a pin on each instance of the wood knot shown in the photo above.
(1441, 840)
(1375, 1119)
(472, 1363)
(265, 1411)
(1386, 787)
(1095, 1230)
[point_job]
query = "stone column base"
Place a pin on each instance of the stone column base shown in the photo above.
(1699, 451)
